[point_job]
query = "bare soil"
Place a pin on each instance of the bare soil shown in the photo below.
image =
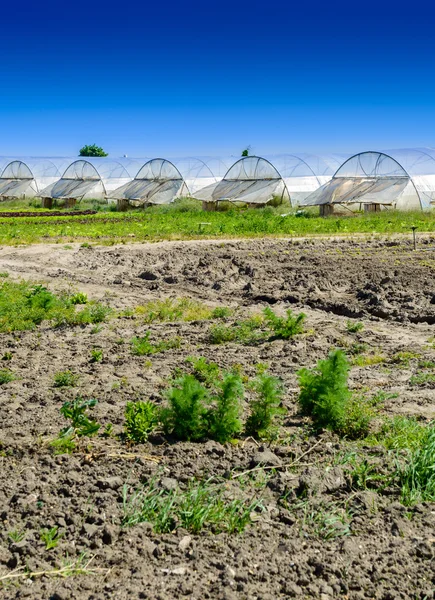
(389, 550)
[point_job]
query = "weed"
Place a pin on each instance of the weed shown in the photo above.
(367, 360)
(96, 355)
(201, 506)
(354, 327)
(81, 425)
(65, 379)
(404, 358)
(141, 346)
(63, 444)
(6, 376)
(141, 419)
(180, 309)
(417, 477)
(16, 535)
(78, 298)
(399, 433)
(205, 371)
(284, 327)
(7, 356)
(242, 332)
(221, 312)
(50, 537)
(422, 379)
(265, 408)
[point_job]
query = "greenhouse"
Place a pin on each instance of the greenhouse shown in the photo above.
(26, 177)
(91, 178)
(160, 180)
(273, 179)
(399, 179)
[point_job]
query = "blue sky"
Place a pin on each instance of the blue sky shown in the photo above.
(209, 78)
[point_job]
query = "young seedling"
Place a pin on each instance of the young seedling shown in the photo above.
(284, 327)
(141, 418)
(265, 409)
(96, 355)
(141, 346)
(354, 327)
(65, 379)
(80, 425)
(50, 537)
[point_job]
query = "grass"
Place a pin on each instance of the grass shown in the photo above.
(399, 433)
(202, 506)
(353, 327)
(141, 346)
(417, 477)
(422, 378)
(183, 221)
(6, 376)
(179, 309)
(25, 305)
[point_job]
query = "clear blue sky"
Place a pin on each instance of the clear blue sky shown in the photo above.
(179, 78)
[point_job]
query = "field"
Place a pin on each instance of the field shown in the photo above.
(99, 500)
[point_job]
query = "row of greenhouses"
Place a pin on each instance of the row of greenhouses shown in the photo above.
(401, 179)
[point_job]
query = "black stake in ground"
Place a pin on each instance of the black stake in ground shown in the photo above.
(413, 233)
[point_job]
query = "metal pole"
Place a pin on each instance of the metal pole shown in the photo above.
(413, 234)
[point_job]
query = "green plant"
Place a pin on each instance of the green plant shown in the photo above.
(65, 379)
(399, 433)
(205, 371)
(184, 417)
(80, 425)
(243, 332)
(324, 393)
(179, 309)
(7, 356)
(221, 312)
(354, 327)
(96, 355)
(6, 376)
(201, 506)
(141, 346)
(78, 298)
(265, 408)
(92, 150)
(417, 477)
(284, 327)
(16, 535)
(422, 378)
(50, 537)
(223, 418)
(141, 418)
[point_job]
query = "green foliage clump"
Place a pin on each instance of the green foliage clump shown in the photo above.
(399, 433)
(242, 332)
(284, 327)
(417, 477)
(78, 298)
(6, 376)
(141, 346)
(179, 309)
(92, 150)
(223, 419)
(184, 416)
(354, 327)
(202, 505)
(50, 537)
(205, 371)
(265, 409)
(96, 355)
(141, 418)
(65, 379)
(80, 425)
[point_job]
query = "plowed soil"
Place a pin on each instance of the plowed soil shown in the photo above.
(297, 547)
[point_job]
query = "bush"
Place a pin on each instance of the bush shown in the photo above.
(284, 327)
(265, 408)
(224, 418)
(141, 419)
(184, 417)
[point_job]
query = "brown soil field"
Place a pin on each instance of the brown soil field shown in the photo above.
(319, 536)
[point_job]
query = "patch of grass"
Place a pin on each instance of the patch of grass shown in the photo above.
(16, 535)
(6, 376)
(201, 506)
(25, 305)
(353, 327)
(65, 379)
(265, 408)
(141, 346)
(417, 477)
(399, 433)
(50, 537)
(247, 331)
(404, 358)
(367, 360)
(422, 378)
(141, 418)
(284, 327)
(180, 309)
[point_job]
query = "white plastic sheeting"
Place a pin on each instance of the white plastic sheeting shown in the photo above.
(27, 176)
(401, 179)
(92, 178)
(161, 180)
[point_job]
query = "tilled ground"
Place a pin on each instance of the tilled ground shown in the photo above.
(319, 536)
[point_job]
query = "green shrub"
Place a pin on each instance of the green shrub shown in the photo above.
(184, 417)
(6, 376)
(284, 327)
(141, 346)
(141, 419)
(65, 379)
(78, 298)
(265, 408)
(417, 477)
(224, 417)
